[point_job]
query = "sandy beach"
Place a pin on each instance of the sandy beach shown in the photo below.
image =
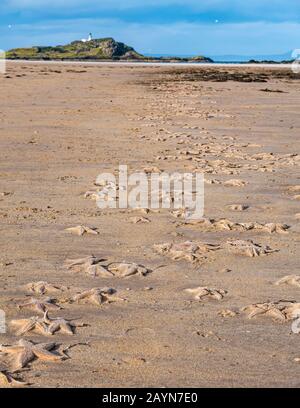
(63, 124)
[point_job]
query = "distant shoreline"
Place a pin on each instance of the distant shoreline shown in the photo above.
(157, 63)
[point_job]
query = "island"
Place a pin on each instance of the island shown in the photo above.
(103, 49)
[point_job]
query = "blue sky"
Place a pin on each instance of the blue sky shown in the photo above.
(181, 27)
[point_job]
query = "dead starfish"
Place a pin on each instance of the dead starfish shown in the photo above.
(248, 248)
(81, 229)
(140, 220)
(60, 324)
(189, 251)
(39, 305)
(26, 351)
(235, 183)
(127, 269)
(202, 292)
(96, 296)
(293, 280)
(42, 287)
(227, 225)
(281, 310)
(31, 324)
(90, 265)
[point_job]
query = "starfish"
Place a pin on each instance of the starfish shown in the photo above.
(96, 296)
(293, 280)
(81, 229)
(202, 292)
(39, 305)
(189, 251)
(42, 287)
(235, 183)
(140, 220)
(225, 224)
(281, 310)
(26, 351)
(60, 324)
(127, 269)
(248, 248)
(90, 265)
(31, 324)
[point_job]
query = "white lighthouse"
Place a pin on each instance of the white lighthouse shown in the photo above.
(90, 37)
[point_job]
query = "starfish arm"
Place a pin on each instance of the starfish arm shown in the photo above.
(53, 327)
(26, 304)
(22, 359)
(42, 328)
(10, 349)
(90, 231)
(40, 307)
(97, 299)
(26, 327)
(255, 312)
(66, 328)
(46, 355)
(276, 314)
(217, 295)
(81, 296)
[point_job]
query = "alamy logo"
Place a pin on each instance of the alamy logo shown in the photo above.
(296, 322)
(152, 190)
(2, 62)
(2, 322)
(296, 62)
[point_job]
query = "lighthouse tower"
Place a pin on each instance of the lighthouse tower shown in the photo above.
(88, 39)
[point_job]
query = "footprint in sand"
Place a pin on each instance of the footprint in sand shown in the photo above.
(237, 207)
(189, 251)
(212, 181)
(228, 313)
(153, 169)
(293, 280)
(248, 248)
(294, 189)
(204, 293)
(281, 310)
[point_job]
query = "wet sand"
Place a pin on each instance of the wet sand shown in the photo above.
(60, 126)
